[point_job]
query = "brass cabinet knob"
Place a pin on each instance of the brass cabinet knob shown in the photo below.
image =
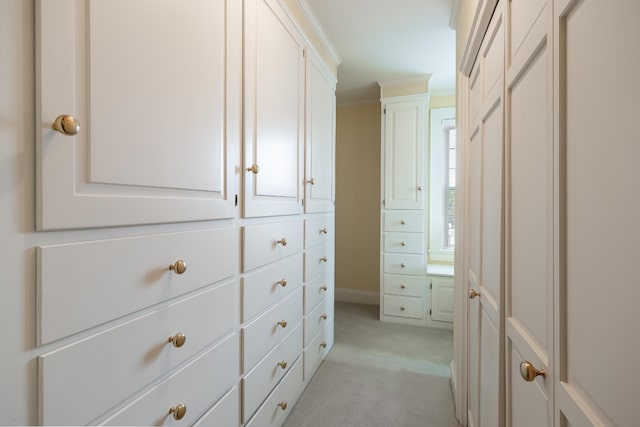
(402, 286)
(473, 293)
(324, 230)
(178, 339)
(311, 181)
(403, 244)
(323, 345)
(419, 187)
(178, 267)
(323, 259)
(254, 169)
(282, 282)
(283, 364)
(529, 372)
(66, 125)
(282, 242)
(403, 265)
(283, 323)
(402, 222)
(283, 405)
(178, 411)
(402, 308)
(323, 288)
(323, 317)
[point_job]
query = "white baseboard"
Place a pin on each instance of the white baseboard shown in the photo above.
(356, 296)
(454, 378)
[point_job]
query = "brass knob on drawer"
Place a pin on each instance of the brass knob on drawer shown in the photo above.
(282, 282)
(323, 288)
(178, 411)
(403, 265)
(323, 345)
(402, 286)
(323, 317)
(402, 308)
(254, 169)
(419, 187)
(324, 230)
(311, 181)
(178, 267)
(283, 405)
(403, 244)
(282, 242)
(473, 293)
(178, 339)
(283, 364)
(402, 222)
(283, 323)
(529, 372)
(66, 125)
(323, 259)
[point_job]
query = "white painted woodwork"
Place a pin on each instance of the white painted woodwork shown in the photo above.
(404, 263)
(153, 146)
(114, 277)
(259, 382)
(396, 284)
(441, 298)
(317, 320)
(265, 243)
(405, 221)
(318, 260)
(263, 333)
(316, 291)
(289, 389)
(404, 242)
(404, 143)
(197, 385)
(274, 78)
(320, 136)
(318, 229)
(401, 306)
(475, 93)
(224, 412)
(316, 352)
(119, 361)
(490, 377)
(265, 287)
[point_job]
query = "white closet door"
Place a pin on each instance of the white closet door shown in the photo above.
(598, 338)
(149, 88)
(273, 111)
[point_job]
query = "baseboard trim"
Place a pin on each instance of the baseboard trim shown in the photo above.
(454, 377)
(356, 296)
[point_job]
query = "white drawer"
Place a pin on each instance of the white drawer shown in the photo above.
(404, 285)
(403, 306)
(408, 243)
(263, 288)
(318, 259)
(119, 361)
(224, 413)
(261, 335)
(404, 263)
(111, 278)
(317, 320)
(259, 382)
(318, 230)
(197, 386)
(406, 221)
(316, 291)
(265, 243)
(315, 353)
(278, 405)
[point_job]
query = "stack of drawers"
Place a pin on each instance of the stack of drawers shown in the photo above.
(318, 291)
(156, 344)
(272, 331)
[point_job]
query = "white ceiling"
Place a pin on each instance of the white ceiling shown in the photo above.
(381, 40)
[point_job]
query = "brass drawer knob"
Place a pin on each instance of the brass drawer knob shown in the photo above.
(403, 265)
(323, 288)
(282, 242)
(529, 372)
(66, 125)
(254, 169)
(178, 339)
(402, 286)
(283, 323)
(323, 317)
(178, 267)
(403, 244)
(402, 308)
(473, 293)
(323, 259)
(178, 411)
(283, 364)
(323, 345)
(324, 230)
(311, 181)
(419, 187)
(402, 222)
(282, 282)
(283, 405)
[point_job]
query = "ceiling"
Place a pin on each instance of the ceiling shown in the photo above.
(382, 40)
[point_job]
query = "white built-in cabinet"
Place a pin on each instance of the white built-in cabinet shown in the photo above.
(217, 117)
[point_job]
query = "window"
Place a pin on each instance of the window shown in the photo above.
(450, 184)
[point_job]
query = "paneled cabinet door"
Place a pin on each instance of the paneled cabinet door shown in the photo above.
(320, 136)
(155, 103)
(273, 111)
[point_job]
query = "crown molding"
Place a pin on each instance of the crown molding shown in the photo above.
(317, 28)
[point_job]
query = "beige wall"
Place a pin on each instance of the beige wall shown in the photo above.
(442, 101)
(358, 197)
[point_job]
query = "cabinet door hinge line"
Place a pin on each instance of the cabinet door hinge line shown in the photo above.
(236, 202)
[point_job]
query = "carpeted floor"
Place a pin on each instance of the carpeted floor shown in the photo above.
(379, 375)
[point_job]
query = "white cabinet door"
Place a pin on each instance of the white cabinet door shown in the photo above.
(149, 88)
(442, 299)
(404, 151)
(320, 137)
(273, 111)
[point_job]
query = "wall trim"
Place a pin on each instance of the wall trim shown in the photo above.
(322, 35)
(479, 27)
(455, 13)
(357, 296)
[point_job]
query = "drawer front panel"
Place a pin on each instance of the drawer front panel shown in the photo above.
(404, 264)
(405, 221)
(223, 413)
(315, 321)
(408, 243)
(259, 382)
(118, 276)
(317, 260)
(404, 285)
(318, 230)
(265, 287)
(315, 353)
(270, 413)
(198, 386)
(404, 306)
(266, 243)
(315, 291)
(117, 362)
(261, 335)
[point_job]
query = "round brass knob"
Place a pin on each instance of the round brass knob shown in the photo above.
(323, 288)
(403, 265)
(283, 364)
(529, 372)
(419, 187)
(282, 242)
(402, 308)
(283, 405)
(178, 267)
(403, 244)
(402, 222)
(178, 339)
(323, 345)
(323, 317)
(402, 286)
(473, 294)
(282, 282)
(283, 323)
(254, 169)
(324, 230)
(66, 125)
(178, 411)
(312, 181)
(323, 259)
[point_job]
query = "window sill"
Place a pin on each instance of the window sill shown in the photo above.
(440, 270)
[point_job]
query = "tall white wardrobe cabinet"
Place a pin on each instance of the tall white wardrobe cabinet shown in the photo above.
(184, 213)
